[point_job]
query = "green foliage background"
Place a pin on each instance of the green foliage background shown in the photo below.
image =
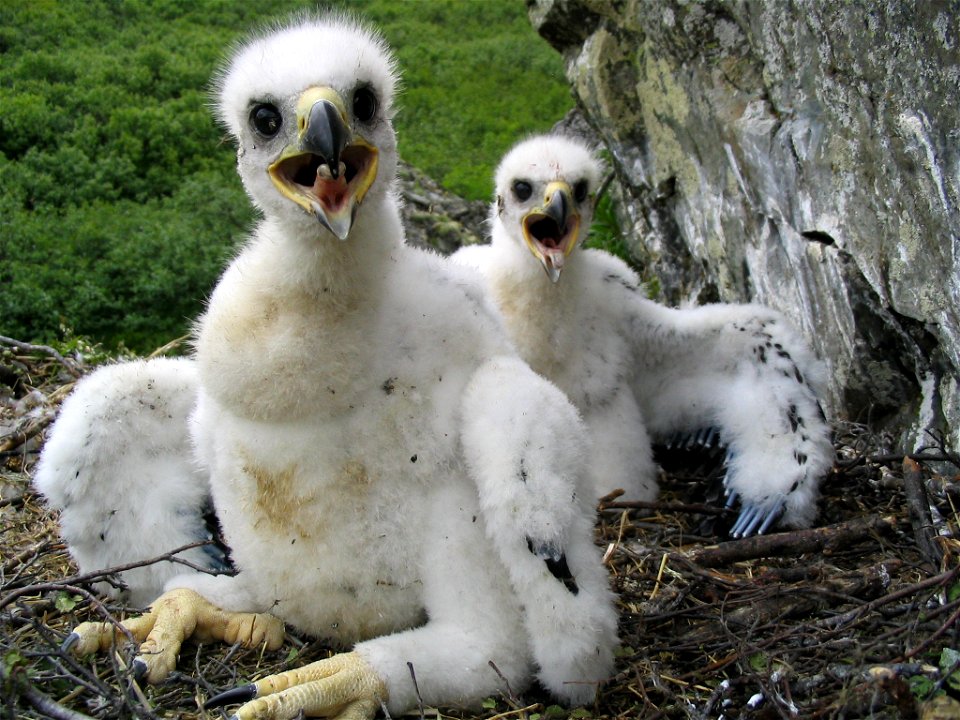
(119, 204)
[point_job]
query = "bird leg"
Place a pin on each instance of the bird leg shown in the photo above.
(173, 617)
(343, 687)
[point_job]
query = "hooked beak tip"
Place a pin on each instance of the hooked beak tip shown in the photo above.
(553, 265)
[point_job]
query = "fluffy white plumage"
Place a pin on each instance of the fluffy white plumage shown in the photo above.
(386, 471)
(127, 423)
(634, 367)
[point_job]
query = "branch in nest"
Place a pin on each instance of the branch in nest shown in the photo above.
(792, 543)
(890, 458)
(18, 438)
(106, 572)
(610, 502)
(39, 701)
(416, 688)
(510, 696)
(951, 621)
(21, 557)
(937, 581)
(70, 365)
(918, 507)
(864, 583)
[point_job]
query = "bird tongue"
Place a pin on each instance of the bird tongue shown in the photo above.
(331, 191)
(333, 206)
(549, 243)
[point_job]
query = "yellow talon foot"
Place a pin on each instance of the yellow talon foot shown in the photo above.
(91, 637)
(343, 687)
(173, 617)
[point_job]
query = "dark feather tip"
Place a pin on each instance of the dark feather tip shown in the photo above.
(240, 694)
(68, 643)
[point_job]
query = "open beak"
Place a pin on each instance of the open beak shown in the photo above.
(551, 230)
(328, 170)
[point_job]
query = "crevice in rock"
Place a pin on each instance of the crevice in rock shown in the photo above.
(896, 353)
(563, 24)
(818, 236)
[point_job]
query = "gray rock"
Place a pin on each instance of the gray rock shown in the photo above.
(803, 155)
(435, 218)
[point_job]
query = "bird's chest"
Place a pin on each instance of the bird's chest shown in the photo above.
(589, 367)
(353, 422)
(570, 344)
(321, 516)
(283, 361)
(311, 478)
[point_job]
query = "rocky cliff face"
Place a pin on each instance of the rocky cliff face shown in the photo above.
(435, 218)
(805, 155)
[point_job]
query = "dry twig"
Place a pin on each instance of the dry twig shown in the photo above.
(793, 543)
(67, 363)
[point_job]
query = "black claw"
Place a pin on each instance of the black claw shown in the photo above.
(235, 695)
(139, 668)
(68, 643)
(544, 550)
(556, 562)
(561, 571)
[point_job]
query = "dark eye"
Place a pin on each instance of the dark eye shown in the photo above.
(364, 104)
(266, 119)
(522, 190)
(580, 191)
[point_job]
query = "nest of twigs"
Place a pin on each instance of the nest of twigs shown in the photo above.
(855, 618)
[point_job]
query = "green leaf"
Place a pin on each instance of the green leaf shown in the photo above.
(921, 686)
(489, 704)
(11, 660)
(292, 655)
(66, 602)
(949, 660)
(581, 713)
(757, 662)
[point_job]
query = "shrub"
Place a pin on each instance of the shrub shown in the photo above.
(119, 203)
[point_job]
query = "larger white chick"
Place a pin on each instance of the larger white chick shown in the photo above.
(388, 474)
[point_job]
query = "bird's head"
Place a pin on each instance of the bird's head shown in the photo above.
(546, 188)
(310, 106)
